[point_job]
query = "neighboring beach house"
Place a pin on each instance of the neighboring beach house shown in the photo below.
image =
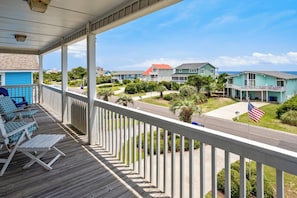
(126, 75)
(183, 71)
(268, 86)
(17, 69)
(158, 73)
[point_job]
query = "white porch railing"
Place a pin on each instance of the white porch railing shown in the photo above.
(52, 100)
(125, 133)
(30, 92)
(257, 88)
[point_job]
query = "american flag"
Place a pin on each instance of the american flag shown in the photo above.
(254, 112)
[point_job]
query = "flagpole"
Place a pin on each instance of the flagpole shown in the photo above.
(249, 135)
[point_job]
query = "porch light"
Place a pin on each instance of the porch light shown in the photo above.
(20, 37)
(38, 5)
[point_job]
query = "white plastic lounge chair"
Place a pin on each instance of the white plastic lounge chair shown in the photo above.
(10, 112)
(12, 134)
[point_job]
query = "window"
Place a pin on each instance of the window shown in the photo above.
(280, 83)
(250, 79)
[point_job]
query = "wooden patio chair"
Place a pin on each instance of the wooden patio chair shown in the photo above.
(12, 134)
(19, 101)
(10, 112)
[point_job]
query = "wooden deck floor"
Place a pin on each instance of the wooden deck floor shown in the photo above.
(86, 171)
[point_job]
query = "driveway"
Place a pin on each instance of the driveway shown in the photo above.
(228, 112)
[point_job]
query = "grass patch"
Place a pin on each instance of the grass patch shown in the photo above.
(212, 103)
(215, 103)
(269, 120)
(156, 100)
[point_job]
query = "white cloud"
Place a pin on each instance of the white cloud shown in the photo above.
(257, 59)
(78, 50)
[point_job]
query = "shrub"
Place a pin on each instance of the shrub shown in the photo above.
(251, 182)
(289, 117)
(126, 81)
(131, 88)
(168, 97)
(290, 104)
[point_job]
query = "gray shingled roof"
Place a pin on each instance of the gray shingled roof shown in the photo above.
(192, 65)
(276, 74)
(18, 62)
(127, 72)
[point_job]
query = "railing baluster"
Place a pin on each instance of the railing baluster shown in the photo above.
(243, 176)
(279, 183)
(181, 168)
(213, 172)
(202, 170)
(145, 150)
(227, 175)
(151, 153)
(109, 131)
(134, 144)
(165, 189)
(121, 138)
(105, 128)
(158, 158)
(173, 178)
(139, 148)
(260, 180)
(116, 135)
(125, 140)
(112, 133)
(101, 126)
(129, 143)
(191, 168)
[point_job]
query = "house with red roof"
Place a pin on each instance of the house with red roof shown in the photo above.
(158, 73)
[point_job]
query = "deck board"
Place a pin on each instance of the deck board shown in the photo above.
(79, 174)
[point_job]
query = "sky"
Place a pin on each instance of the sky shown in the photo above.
(232, 35)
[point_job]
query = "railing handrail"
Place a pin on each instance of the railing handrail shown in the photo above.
(55, 89)
(262, 87)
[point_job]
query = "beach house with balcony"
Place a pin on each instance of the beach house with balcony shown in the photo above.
(268, 86)
(126, 75)
(158, 73)
(183, 71)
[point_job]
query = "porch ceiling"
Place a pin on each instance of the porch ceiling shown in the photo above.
(65, 20)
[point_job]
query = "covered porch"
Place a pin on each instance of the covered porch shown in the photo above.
(86, 171)
(114, 138)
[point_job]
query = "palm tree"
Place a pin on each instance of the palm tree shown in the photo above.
(161, 89)
(105, 93)
(124, 100)
(187, 108)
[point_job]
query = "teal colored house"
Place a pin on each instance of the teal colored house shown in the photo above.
(183, 71)
(268, 86)
(16, 70)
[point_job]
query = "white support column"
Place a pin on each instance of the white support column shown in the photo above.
(40, 78)
(64, 63)
(91, 69)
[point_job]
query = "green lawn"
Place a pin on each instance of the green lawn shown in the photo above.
(212, 103)
(215, 103)
(157, 101)
(269, 120)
